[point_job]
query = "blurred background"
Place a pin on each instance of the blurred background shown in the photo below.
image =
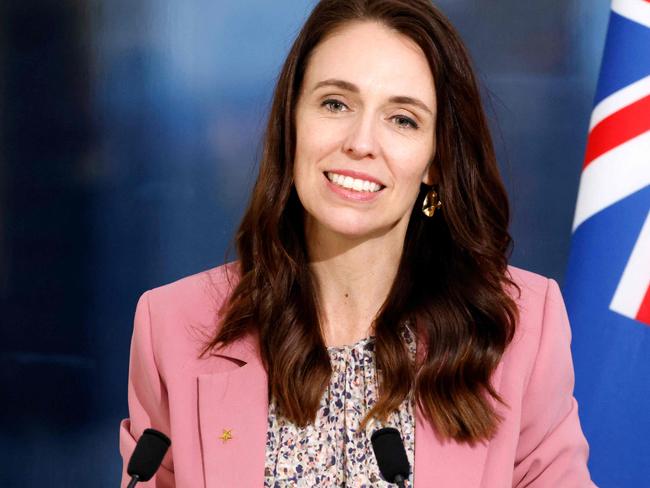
(129, 139)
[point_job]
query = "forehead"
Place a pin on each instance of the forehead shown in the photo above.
(376, 59)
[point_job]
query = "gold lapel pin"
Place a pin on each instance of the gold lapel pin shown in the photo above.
(226, 436)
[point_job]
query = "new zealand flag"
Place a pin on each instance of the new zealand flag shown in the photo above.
(607, 284)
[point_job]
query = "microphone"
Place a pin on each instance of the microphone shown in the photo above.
(147, 456)
(391, 455)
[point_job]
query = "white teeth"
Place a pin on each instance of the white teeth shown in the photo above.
(352, 183)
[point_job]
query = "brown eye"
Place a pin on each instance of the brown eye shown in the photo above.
(410, 123)
(332, 105)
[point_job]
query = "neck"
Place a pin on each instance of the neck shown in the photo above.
(354, 278)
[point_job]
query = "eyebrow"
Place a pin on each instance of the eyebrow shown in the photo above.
(346, 85)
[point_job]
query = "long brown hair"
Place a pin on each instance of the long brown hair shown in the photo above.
(452, 276)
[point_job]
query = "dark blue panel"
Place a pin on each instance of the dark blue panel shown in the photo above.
(624, 59)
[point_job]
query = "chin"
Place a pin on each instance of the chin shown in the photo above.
(353, 230)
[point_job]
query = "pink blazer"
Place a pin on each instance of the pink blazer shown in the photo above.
(539, 443)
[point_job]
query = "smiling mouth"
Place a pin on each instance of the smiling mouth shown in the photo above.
(353, 184)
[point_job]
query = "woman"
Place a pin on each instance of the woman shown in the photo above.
(372, 289)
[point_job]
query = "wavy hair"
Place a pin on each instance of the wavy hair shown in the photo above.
(452, 277)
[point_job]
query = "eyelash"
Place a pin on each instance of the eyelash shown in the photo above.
(411, 122)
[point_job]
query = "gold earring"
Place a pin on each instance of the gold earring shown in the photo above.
(429, 205)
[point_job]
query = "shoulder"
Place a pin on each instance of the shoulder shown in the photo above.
(201, 290)
(181, 316)
(533, 285)
(534, 294)
(542, 333)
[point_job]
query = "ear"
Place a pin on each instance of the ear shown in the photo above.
(431, 176)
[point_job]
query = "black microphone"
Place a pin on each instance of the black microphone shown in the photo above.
(391, 455)
(147, 456)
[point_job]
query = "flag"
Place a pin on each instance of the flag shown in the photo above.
(607, 281)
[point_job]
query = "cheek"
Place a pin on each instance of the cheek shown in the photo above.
(314, 147)
(302, 155)
(306, 165)
(411, 169)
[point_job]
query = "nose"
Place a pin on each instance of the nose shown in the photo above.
(361, 140)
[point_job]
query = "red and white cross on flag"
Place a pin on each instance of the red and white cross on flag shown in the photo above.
(617, 159)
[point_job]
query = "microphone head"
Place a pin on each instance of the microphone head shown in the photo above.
(390, 453)
(148, 454)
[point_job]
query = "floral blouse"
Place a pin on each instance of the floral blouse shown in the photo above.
(332, 452)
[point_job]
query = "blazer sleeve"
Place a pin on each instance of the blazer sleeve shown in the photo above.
(147, 398)
(552, 450)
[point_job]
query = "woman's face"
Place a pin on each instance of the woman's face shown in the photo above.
(365, 117)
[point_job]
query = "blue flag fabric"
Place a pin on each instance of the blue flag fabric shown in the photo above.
(607, 283)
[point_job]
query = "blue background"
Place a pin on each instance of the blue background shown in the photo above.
(129, 135)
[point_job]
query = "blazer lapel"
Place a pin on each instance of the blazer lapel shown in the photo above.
(234, 404)
(447, 463)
